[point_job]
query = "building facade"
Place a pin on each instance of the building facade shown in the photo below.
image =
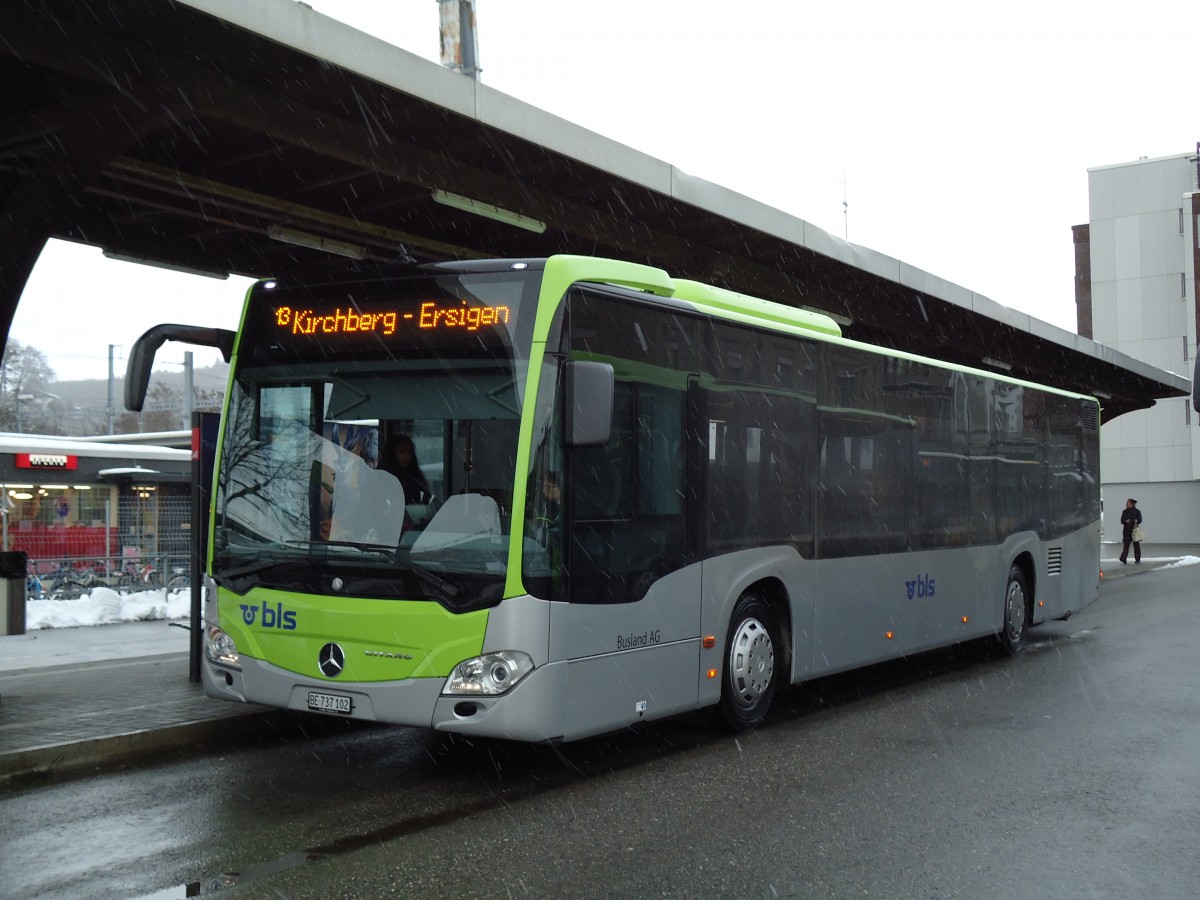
(1136, 285)
(95, 505)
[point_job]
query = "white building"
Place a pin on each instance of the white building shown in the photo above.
(1136, 270)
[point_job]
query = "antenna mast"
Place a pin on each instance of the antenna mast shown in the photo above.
(460, 46)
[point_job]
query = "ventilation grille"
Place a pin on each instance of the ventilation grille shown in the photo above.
(1091, 418)
(1054, 561)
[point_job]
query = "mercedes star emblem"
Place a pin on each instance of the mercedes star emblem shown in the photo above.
(331, 660)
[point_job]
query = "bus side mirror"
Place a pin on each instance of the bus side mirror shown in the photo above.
(589, 404)
(141, 357)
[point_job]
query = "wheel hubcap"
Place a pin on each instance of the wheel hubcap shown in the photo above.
(751, 662)
(1016, 611)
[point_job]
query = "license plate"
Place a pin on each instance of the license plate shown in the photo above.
(334, 703)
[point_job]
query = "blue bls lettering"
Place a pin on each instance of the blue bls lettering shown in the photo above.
(272, 617)
(923, 586)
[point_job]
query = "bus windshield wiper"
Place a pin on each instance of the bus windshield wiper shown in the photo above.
(447, 589)
(315, 546)
(273, 559)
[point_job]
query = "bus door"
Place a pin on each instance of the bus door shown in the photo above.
(629, 629)
(758, 496)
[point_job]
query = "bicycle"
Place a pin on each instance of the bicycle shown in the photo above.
(138, 577)
(34, 589)
(180, 579)
(71, 582)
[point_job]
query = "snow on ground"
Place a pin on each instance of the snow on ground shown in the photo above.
(1183, 561)
(1113, 564)
(1163, 562)
(104, 606)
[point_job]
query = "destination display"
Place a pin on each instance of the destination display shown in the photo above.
(391, 326)
(430, 316)
(460, 315)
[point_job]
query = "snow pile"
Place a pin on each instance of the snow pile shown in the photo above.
(1183, 561)
(104, 606)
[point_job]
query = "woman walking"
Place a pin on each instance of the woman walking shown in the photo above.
(1131, 527)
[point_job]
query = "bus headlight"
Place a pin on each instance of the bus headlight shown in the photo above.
(490, 674)
(221, 649)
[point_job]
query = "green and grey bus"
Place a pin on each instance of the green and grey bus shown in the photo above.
(638, 496)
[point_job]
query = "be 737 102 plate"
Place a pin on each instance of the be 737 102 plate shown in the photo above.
(332, 703)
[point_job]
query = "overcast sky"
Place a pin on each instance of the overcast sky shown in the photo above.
(958, 133)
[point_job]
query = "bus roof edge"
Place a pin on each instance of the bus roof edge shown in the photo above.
(731, 301)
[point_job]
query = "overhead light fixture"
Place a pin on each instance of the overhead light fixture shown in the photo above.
(127, 472)
(286, 235)
(996, 364)
(488, 211)
(165, 264)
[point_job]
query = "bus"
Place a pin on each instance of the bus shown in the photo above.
(641, 496)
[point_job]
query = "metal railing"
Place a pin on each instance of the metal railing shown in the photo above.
(71, 578)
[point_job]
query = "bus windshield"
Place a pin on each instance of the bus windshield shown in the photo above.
(378, 467)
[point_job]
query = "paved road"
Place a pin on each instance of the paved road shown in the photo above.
(1068, 772)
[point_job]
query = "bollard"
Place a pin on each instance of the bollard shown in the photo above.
(13, 568)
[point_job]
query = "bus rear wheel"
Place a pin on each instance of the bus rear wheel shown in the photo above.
(1016, 611)
(750, 679)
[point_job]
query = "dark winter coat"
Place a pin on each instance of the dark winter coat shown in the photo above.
(1129, 518)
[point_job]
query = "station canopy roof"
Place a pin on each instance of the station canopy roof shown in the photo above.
(215, 135)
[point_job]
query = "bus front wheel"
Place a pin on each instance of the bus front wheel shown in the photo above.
(750, 679)
(1016, 610)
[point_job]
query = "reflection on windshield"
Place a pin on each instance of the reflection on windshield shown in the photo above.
(418, 484)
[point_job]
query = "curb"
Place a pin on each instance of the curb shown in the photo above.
(49, 762)
(1119, 571)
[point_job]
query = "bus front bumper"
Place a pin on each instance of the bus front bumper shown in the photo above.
(526, 713)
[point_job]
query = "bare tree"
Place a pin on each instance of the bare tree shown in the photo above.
(25, 380)
(164, 407)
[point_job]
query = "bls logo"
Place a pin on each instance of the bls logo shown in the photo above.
(921, 587)
(272, 617)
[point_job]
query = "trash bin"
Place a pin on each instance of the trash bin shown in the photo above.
(13, 565)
